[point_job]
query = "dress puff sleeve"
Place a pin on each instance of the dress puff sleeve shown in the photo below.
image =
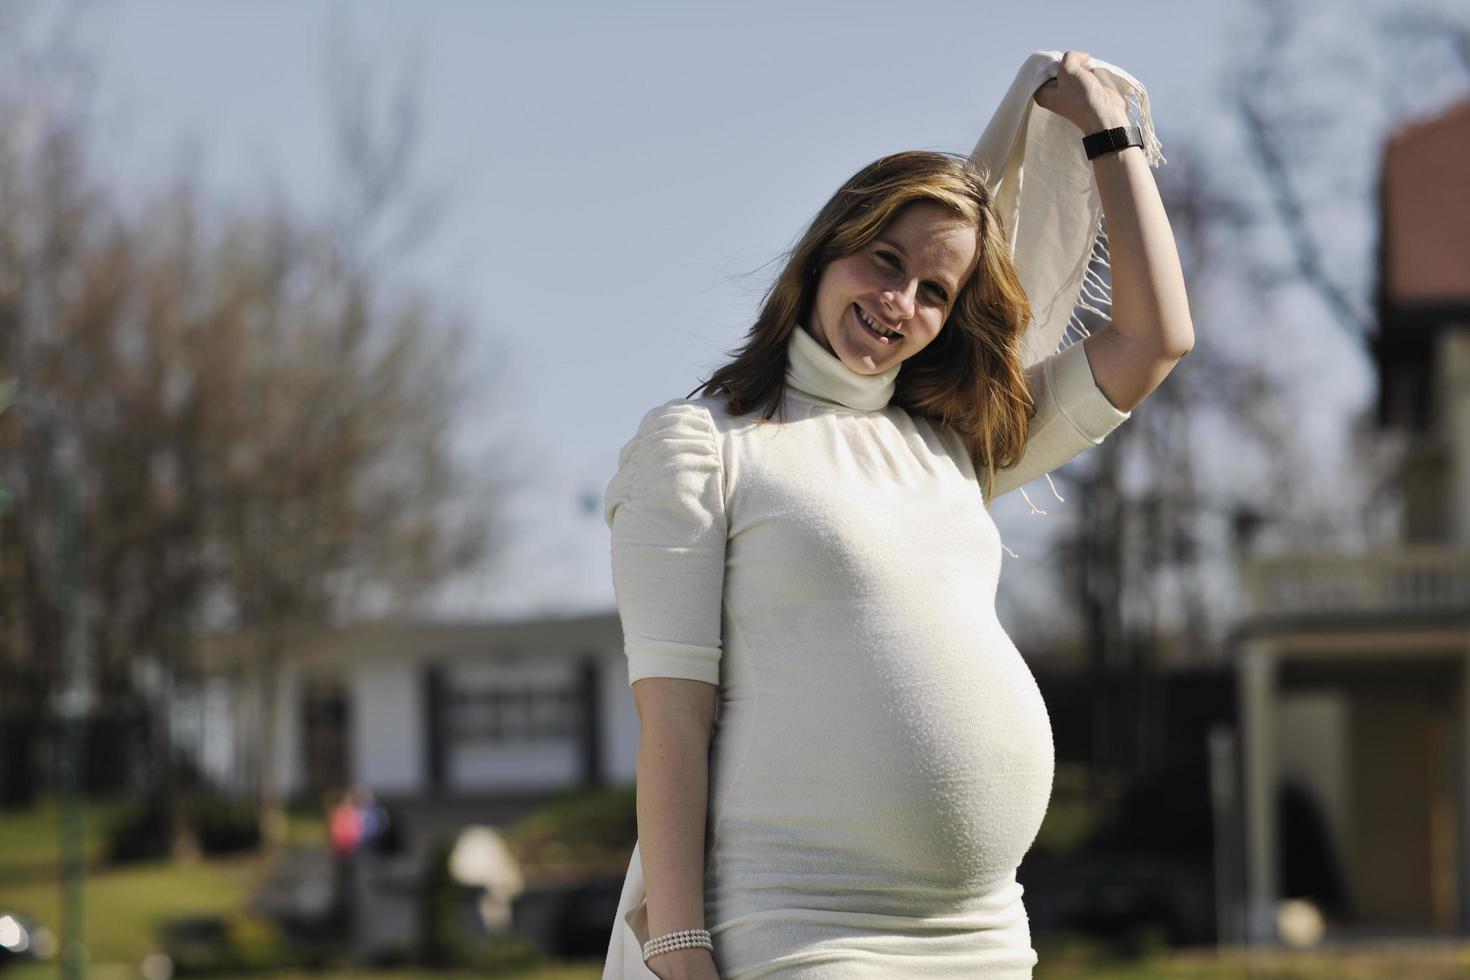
(665, 507)
(1072, 414)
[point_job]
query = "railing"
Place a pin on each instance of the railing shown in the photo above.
(1411, 579)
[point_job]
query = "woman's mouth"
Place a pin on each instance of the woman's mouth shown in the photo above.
(877, 333)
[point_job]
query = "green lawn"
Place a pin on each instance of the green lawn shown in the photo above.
(589, 971)
(30, 845)
(1236, 966)
(1077, 961)
(124, 907)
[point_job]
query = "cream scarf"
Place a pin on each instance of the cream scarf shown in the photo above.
(1047, 195)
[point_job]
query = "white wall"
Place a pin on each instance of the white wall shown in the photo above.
(221, 700)
(383, 680)
(483, 767)
(289, 764)
(620, 724)
(206, 720)
(386, 749)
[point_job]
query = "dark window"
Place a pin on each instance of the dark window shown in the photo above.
(512, 714)
(325, 719)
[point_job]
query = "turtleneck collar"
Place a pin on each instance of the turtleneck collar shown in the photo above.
(819, 374)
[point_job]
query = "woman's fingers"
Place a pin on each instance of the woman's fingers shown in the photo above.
(1044, 93)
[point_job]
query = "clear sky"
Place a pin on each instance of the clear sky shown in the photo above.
(616, 169)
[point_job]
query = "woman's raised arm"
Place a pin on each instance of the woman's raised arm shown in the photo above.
(1151, 328)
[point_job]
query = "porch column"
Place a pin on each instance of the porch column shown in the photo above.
(1462, 899)
(1452, 360)
(1257, 675)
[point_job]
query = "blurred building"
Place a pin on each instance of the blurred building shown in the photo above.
(451, 722)
(1354, 670)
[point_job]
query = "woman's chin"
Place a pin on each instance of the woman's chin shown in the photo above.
(862, 352)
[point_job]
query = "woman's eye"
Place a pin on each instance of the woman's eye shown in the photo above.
(939, 294)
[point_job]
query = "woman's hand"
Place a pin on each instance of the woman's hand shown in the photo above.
(684, 964)
(1077, 95)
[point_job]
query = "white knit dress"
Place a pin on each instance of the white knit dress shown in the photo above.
(881, 757)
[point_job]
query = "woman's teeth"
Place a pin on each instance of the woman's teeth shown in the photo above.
(883, 334)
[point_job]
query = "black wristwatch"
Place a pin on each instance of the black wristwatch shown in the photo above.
(1109, 140)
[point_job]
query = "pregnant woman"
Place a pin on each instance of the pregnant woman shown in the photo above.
(843, 757)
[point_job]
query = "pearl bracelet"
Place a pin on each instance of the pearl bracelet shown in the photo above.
(682, 939)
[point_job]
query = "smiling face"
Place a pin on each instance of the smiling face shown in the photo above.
(904, 281)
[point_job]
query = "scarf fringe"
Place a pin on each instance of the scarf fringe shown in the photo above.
(1138, 102)
(1100, 290)
(1096, 291)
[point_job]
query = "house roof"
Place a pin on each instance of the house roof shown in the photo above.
(594, 633)
(1426, 210)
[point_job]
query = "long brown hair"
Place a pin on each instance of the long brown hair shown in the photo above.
(970, 376)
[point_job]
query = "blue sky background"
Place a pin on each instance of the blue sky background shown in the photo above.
(616, 169)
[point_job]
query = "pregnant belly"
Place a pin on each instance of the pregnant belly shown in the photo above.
(872, 763)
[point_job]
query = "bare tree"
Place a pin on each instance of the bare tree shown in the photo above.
(261, 408)
(1155, 522)
(49, 209)
(346, 498)
(1316, 107)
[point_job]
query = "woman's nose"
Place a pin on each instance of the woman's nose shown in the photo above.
(903, 300)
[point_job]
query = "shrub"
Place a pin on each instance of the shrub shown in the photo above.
(224, 826)
(137, 832)
(237, 943)
(140, 831)
(589, 831)
(508, 954)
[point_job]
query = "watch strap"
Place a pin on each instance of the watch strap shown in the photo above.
(1111, 140)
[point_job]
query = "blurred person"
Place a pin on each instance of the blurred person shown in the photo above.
(345, 837)
(345, 825)
(372, 817)
(390, 836)
(843, 757)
